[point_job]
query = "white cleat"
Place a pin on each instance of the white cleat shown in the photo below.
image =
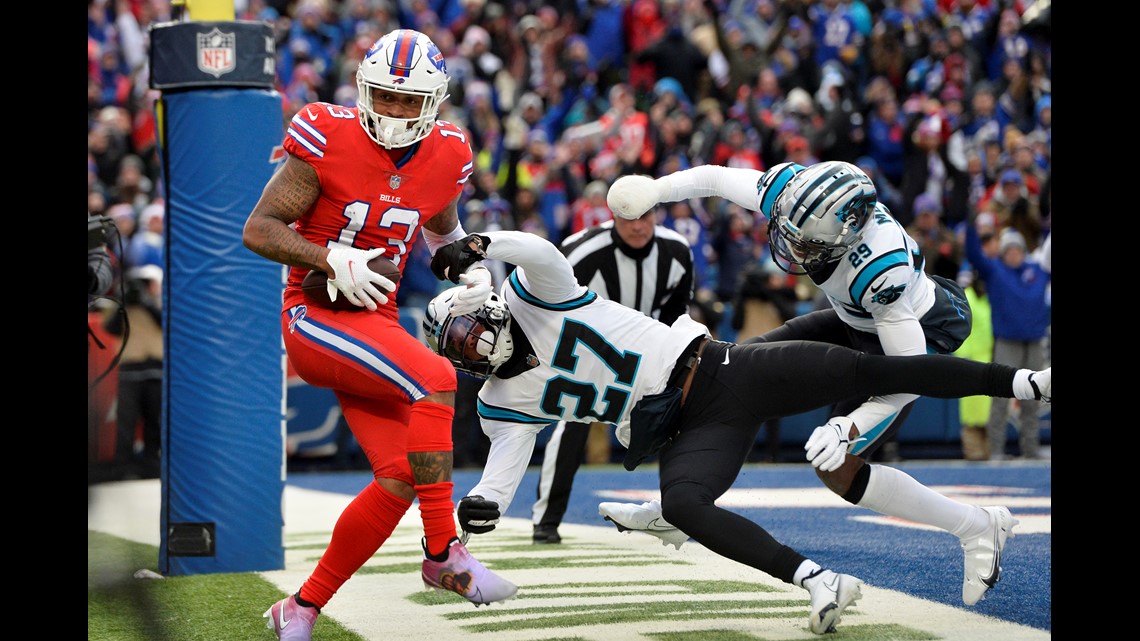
(983, 555)
(646, 517)
(831, 593)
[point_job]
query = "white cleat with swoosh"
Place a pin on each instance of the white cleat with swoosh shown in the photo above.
(629, 517)
(983, 555)
(291, 621)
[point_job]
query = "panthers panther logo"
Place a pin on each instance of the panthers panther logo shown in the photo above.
(888, 295)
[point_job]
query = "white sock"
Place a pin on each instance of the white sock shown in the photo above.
(806, 569)
(895, 493)
(1021, 387)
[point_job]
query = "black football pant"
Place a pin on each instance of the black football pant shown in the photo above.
(738, 387)
(825, 326)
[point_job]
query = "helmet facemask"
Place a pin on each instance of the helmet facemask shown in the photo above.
(819, 216)
(476, 343)
(404, 62)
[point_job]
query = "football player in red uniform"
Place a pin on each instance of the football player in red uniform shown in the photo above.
(357, 183)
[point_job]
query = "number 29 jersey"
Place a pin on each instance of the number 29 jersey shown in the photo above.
(881, 277)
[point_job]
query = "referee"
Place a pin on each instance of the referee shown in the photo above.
(641, 265)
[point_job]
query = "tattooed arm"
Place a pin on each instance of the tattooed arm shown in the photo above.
(289, 194)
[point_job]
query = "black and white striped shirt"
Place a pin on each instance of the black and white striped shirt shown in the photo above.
(656, 280)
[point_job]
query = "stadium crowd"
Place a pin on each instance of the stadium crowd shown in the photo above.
(946, 104)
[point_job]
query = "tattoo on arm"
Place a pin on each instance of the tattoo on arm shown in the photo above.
(445, 221)
(289, 194)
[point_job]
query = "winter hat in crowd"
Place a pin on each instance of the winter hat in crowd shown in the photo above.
(926, 203)
(1011, 238)
(1011, 176)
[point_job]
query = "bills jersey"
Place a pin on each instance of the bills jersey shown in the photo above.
(589, 359)
(368, 200)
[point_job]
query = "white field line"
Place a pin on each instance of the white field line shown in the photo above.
(380, 607)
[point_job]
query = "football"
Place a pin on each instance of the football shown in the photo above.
(316, 281)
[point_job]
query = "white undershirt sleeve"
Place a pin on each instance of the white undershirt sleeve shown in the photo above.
(512, 445)
(734, 183)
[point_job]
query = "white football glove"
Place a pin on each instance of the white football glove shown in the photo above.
(631, 196)
(352, 277)
(478, 282)
(827, 447)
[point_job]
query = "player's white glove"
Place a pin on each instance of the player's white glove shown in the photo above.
(827, 447)
(478, 281)
(352, 277)
(631, 196)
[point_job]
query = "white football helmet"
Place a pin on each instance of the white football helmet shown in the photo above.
(405, 62)
(476, 343)
(820, 214)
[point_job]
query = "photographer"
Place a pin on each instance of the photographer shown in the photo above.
(99, 274)
(140, 373)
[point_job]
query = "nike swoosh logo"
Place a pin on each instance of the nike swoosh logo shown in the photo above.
(875, 289)
(351, 276)
(653, 525)
(282, 623)
(725, 359)
(992, 579)
(312, 116)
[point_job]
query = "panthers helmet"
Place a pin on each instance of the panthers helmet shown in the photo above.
(476, 343)
(405, 62)
(820, 213)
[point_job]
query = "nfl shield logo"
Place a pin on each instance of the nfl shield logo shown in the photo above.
(217, 52)
(394, 182)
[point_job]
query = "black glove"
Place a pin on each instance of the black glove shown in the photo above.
(453, 259)
(477, 515)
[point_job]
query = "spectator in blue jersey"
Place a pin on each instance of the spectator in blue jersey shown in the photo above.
(972, 17)
(889, 194)
(837, 37)
(1010, 45)
(603, 31)
(735, 247)
(312, 40)
(681, 218)
(147, 245)
(980, 122)
(1017, 290)
(886, 127)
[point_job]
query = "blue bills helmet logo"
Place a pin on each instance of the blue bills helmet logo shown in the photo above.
(436, 57)
(217, 52)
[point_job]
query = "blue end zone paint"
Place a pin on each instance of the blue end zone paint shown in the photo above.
(925, 564)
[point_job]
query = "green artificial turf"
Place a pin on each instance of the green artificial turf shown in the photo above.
(205, 607)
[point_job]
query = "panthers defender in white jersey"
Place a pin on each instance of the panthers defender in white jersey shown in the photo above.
(825, 222)
(552, 350)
